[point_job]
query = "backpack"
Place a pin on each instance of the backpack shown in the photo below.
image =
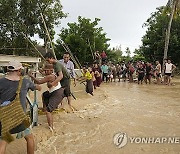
(12, 115)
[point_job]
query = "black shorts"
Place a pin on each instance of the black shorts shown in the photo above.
(52, 100)
(140, 77)
(168, 74)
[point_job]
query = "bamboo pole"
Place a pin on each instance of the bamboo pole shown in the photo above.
(66, 48)
(91, 49)
(48, 35)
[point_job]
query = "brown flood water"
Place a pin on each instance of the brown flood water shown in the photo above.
(138, 110)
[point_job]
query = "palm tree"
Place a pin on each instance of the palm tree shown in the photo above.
(174, 6)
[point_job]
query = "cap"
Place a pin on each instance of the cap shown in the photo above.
(14, 65)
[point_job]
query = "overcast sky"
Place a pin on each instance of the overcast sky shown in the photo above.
(122, 20)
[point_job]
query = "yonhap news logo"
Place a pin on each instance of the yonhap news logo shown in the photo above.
(121, 139)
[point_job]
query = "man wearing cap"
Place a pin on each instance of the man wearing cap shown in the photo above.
(8, 88)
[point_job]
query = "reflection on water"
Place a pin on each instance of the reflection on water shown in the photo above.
(138, 110)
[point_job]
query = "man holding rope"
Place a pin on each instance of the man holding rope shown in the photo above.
(8, 89)
(53, 96)
(62, 75)
(70, 68)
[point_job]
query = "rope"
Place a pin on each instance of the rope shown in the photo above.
(40, 112)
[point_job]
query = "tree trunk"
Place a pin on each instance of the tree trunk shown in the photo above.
(168, 32)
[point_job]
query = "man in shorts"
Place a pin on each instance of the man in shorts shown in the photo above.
(169, 68)
(8, 88)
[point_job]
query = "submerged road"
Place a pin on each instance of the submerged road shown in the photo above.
(148, 114)
(120, 118)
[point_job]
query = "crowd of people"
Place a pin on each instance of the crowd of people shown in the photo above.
(57, 74)
(135, 72)
(103, 70)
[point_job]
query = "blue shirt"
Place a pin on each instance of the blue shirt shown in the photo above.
(104, 68)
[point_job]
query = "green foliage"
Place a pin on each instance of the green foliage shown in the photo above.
(128, 52)
(17, 16)
(83, 39)
(154, 39)
(138, 55)
(115, 55)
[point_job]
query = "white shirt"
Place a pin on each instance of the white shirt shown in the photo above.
(168, 68)
(55, 88)
(158, 68)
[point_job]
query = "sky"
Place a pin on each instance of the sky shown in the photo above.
(122, 20)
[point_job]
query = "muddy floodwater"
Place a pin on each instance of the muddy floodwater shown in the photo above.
(149, 111)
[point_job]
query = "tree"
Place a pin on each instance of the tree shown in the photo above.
(83, 39)
(138, 56)
(7, 22)
(115, 54)
(153, 41)
(173, 5)
(128, 54)
(51, 11)
(24, 17)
